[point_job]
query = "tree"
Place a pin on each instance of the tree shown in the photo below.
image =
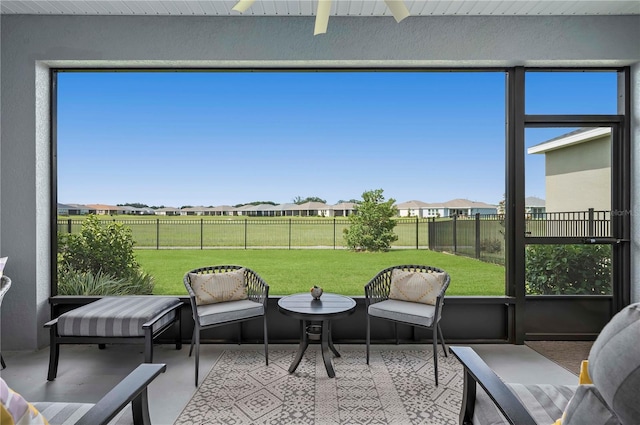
(371, 227)
(299, 201)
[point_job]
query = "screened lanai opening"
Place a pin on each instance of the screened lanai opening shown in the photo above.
(221, 160)
(257, 166)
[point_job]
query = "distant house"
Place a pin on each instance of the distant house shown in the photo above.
(343, 209)
(168, 211)
(102, 209)
(72, 209)
(311, 209)
(195, 211)
(414, 209)
(455, 207)
(577, 170)
(223, 210)
(463, 208)
(534, 207)
(260, 210)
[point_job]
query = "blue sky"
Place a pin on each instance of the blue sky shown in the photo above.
(225, 138)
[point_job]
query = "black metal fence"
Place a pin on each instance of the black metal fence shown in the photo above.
(252, 233)
(479, 236)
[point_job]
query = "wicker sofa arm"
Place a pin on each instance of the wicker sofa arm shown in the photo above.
(132, 389)
(476, 371)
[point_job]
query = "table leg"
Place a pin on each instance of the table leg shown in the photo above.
(335, 352)
(324, 346)
(304, 343)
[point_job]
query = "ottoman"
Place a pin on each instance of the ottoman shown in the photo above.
(118, 319)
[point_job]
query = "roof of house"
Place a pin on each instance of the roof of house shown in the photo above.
(463, 203)
(309, 206)
(344, 206)
(575, 137)
(412, 205)
(534, 201)
(104, 207)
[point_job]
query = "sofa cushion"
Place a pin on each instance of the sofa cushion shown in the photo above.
(614, 364)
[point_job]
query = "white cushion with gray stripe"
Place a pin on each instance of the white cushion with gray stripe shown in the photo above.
(59, 413)
(545, 403)
(404, 311)
(116, 316)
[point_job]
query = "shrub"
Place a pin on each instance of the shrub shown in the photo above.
(100, 255)
(105, 247)
(371, 227)
(491, 246)
(73, 282)
(568, 269)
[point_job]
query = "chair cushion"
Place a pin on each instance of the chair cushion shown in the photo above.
(116, 316)
(614, 364)
(404, 311)
(211, 288)
(545, 403)
(213, 314)
(417, 287)
(14, 409)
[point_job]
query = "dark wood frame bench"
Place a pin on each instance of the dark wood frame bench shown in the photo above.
(149, 335)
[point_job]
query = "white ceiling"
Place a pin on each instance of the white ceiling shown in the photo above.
(308, 7)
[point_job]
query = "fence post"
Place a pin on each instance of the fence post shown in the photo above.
(430, 227)
(478, 236)
(201, 234)
(289, 234)
(417, 230)
(245, 233)
(69, 226)
(591, 222)
(455, 233)
(157, 233)
(334, 233)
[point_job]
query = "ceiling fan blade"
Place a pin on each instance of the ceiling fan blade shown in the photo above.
(322, 17)
(242, 5)
(398, 9)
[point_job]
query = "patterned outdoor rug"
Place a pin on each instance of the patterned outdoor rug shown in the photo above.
(396, 388)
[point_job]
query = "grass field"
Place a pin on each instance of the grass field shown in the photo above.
(339, 271)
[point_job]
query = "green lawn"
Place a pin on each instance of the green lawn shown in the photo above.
(339, 271)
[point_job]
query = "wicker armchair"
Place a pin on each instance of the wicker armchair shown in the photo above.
(4, 288)
(227, 312)
(427, 316)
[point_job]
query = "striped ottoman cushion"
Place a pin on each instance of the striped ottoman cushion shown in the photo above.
(116, 316)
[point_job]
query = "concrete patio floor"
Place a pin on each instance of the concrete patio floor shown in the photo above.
(86, 373)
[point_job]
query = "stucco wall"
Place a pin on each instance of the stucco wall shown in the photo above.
(30, 44)
(578, 177)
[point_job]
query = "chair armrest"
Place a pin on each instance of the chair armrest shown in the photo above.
(133, 388)
(477, 371)
(378, 287)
